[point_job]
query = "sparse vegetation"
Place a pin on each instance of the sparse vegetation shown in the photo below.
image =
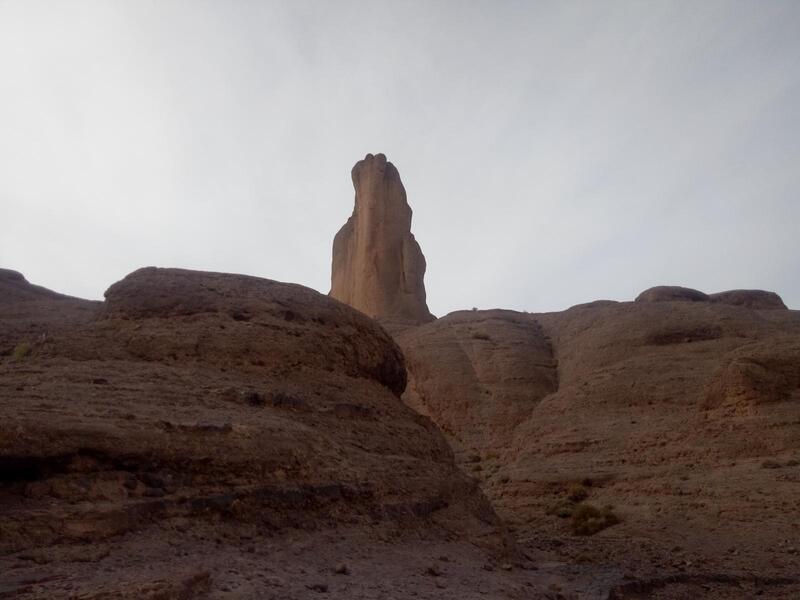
(561, 509)
(480, 336)
(588, 519)
(21, 350)
(577, 492)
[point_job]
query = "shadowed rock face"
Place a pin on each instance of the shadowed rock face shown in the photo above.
(15, 288)
(378, 267)
(158, 435)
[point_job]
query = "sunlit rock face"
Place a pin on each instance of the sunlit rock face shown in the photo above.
(378, 267)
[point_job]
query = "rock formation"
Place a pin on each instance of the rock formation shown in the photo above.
(478, 374)
(15, 288)
(671, 293)
(201, 433)
(378, 267)
(683, 415)
(757, 299)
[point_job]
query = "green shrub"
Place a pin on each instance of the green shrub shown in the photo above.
(562, 509)
(588, 519)
(22, 350)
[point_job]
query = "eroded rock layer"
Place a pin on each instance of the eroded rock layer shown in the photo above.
(477, 374)
(683, 415)
(196, 411)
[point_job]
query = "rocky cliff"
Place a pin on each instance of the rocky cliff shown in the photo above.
(201, 434)
(680, 410)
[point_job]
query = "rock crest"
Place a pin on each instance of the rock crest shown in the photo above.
(754, 299)
(378, 267)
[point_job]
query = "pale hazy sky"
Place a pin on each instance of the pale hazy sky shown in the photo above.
(553, 152)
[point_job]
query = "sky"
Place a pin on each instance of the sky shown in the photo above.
(553, 152)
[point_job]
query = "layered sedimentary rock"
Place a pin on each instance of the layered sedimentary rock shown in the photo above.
(683, 415)
(378, 267)
(477, 374)
(199, 432)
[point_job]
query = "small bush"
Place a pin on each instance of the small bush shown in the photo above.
(588, 519)
(22, 350)
(771, 464)
(480, 336)
(577, 492)
(562, 509)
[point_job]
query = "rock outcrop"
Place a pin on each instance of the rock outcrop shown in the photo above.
(196, 427)
(683, 415)
(478, 374)
(15, 288)
(378, 267)
(755, 299)
(671, 293)
(758, 299)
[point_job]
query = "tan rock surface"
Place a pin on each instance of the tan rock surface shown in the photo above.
(685, 416)
(478, 374)
(200, 434)
(378, 266)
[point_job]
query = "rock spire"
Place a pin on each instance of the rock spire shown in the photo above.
(378, 267)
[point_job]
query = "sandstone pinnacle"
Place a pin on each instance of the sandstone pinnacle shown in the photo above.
(378, 266)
